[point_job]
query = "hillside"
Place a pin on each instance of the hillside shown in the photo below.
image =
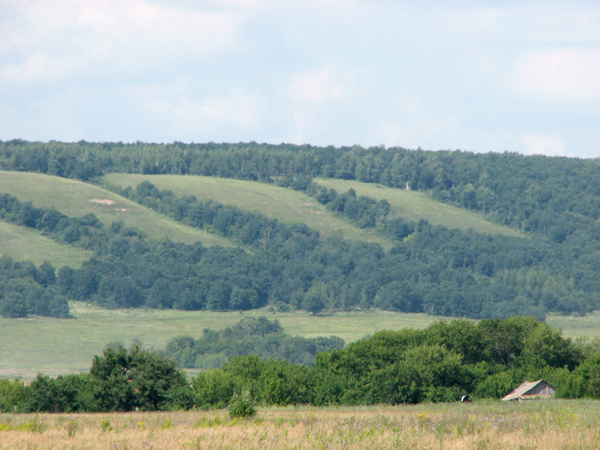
(423, 266)
(76, 199)
(415, 205)
(272, 201)
(23, 244)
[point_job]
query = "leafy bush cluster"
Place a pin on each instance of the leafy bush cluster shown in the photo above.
(440, 363)
(241, 405)
(250, 336)
(120, 380)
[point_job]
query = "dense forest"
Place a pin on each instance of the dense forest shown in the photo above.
(430, 269)
(440, 363)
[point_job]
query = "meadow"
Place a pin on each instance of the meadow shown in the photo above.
(415, 205)
(24, 244)
(531, 425)
(59, 346)
(75, 198)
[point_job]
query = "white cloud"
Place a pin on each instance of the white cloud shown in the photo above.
(38, 68)
(325, 85)
(543, 145)
(571, 75)
(201, 118)
(325, 99)
(110, 39)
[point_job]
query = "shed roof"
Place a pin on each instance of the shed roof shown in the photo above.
(523, 389)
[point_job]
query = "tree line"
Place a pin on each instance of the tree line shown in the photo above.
(438, 364)
(250, 336)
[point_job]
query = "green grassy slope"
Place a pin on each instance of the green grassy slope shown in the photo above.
(76, 199)
(55, 346)
(283, 204)
(417, 205)
(24, 244)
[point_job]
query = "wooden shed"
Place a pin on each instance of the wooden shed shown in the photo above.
(532, 389)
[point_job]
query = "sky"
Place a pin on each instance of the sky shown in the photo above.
(482, 76)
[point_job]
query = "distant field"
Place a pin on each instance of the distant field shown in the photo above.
(76, 199)
(283, 204)
(24, 244)
(417, 205)
(55, 346)
(482, 425)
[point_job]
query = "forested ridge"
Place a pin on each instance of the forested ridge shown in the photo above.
(530, 192)
(429, 269)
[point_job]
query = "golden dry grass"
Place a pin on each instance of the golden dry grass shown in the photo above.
(550, 424)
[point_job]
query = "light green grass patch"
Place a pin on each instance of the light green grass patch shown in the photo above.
(76, 199)
(58, 346)
(24, 244)
(572, 326)
(55, 346)
(286, 205)
(417, 205)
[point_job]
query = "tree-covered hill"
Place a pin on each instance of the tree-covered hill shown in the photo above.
(526, 191)
(434, 269)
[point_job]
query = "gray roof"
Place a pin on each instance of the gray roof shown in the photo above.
(523, 389)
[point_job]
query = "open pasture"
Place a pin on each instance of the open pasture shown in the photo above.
(25, 244)
(532, 425)
(76, 199)
(59, 346)
(286, 205)
(416, 205)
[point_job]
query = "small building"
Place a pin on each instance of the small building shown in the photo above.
(532, 389)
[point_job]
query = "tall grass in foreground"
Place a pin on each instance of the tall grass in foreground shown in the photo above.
(550, 424)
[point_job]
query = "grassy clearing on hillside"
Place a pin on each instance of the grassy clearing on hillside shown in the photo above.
(76, 199)
(55, 346)
(535, 424)
(24, 244)
(417, 205)
(286, 205)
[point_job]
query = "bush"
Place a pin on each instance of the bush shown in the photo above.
(241, 405)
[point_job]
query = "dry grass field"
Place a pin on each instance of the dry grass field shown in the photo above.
(543, 425)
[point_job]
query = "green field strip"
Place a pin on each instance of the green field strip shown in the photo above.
(417, 205)
(55, 346)
(25, 244)
(76, 199)
(280, 203)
